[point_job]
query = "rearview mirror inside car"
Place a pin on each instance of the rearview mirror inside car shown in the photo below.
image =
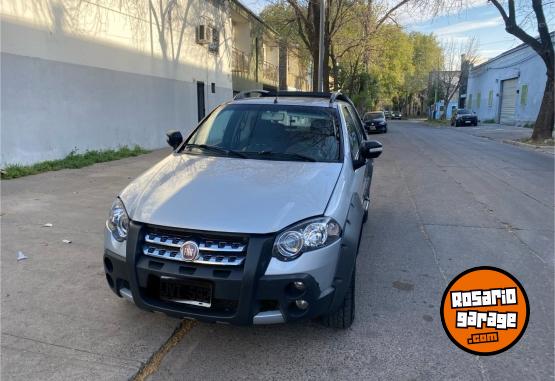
(174, 138)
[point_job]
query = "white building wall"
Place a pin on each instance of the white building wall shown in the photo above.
(524, 65)
(78, 75)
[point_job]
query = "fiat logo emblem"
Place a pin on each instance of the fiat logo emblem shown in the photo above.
(189, 251)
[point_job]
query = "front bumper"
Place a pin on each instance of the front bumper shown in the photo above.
(378, 127)
(241, 295)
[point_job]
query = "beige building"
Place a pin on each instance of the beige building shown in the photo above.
(80, 75)
(255, 62)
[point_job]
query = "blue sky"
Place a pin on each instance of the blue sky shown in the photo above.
(482, 22)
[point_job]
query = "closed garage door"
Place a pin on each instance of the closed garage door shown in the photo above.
(508, 101)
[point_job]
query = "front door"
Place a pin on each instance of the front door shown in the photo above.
(200, 100)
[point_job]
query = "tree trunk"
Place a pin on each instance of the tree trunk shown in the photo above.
(543, 128)
(315, 64)
(314, 38)
(326, 71)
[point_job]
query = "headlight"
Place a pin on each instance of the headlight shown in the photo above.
(305, 236)
(118, 221)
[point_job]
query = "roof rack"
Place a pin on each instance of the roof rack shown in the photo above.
(333, 97)
(246, 94)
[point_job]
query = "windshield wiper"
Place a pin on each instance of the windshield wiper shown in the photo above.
(228, 152)
(285, 155)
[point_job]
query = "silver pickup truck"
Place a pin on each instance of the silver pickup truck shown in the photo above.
(254, 218)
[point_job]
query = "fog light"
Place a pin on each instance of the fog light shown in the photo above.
(301, 304)
(299, 285)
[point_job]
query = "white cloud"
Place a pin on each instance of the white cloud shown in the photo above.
(427, 12)
(467, 26)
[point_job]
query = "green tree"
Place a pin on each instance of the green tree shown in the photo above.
(427, 56)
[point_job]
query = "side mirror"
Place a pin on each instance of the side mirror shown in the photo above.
(371, 149)
(174, 138)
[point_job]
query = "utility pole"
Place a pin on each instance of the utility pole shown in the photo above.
(321, 46)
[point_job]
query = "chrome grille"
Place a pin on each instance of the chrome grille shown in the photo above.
(217, 251)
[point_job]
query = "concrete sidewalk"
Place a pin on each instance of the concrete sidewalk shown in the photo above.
(59, 318)
(501, 133)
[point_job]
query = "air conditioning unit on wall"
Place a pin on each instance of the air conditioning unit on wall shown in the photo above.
(203, 34)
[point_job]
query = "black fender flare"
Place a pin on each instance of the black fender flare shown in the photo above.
(350, 240)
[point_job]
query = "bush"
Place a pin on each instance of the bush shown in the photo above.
(71, 161)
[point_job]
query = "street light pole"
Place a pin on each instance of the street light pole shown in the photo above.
(321, 46)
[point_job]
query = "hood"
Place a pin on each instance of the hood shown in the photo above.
(225, 194)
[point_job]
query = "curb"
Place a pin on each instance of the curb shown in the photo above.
(546, 149)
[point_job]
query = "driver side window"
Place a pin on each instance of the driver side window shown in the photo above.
(352, 130)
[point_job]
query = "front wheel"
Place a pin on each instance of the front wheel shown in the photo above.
(345, 315)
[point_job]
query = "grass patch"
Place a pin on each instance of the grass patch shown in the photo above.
(439, 122)
(489, 121)
(71, 161)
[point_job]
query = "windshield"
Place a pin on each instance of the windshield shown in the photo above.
(269, 132)
(374, 115)
(463, 111)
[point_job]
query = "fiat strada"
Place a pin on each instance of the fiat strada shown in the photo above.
(254, 218)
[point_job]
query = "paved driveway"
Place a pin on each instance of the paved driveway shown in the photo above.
(443, 201)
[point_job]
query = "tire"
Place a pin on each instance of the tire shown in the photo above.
(475, 124)
(385, 130)
(345, 315)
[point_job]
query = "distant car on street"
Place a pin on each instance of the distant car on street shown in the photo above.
(464, 117)
(375, 121)
(396, 115)
(387, 114)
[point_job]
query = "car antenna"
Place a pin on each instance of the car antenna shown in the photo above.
(276, 98)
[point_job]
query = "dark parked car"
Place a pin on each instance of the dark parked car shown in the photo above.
(396, 115)
(387, 114)
(464, 117)
(375, 122)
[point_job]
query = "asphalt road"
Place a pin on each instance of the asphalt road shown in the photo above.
(443, 201)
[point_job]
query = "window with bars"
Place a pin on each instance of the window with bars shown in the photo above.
(214, 45)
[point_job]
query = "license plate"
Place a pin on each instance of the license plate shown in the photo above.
(372, 127)
(186, 292)
(467, 121)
